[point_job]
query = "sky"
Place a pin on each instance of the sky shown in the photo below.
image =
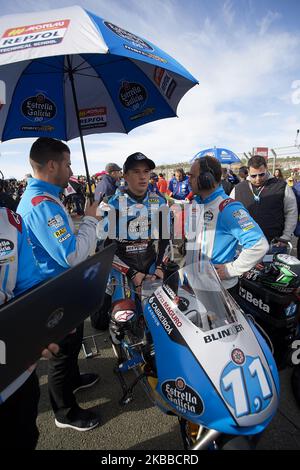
(245, 55)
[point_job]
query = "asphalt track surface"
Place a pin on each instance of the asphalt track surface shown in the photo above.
(140, 425)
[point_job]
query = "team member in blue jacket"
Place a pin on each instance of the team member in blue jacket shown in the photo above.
(19, 272)
(179, 186)
(56, 248)
(225, 226)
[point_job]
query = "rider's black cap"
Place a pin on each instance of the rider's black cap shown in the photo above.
(135, 158)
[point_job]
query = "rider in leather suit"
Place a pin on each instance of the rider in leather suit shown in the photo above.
(133, 218)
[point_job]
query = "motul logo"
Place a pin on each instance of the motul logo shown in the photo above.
(36, 27)
(16, 32)
(256, 302)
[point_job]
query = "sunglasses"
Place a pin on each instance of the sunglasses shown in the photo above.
(258, 174)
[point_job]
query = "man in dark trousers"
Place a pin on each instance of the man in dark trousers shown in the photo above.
(19, 401)
(108, 184)
(271, 202)
(57, 248)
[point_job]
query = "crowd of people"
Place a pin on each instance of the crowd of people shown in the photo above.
(244, 211)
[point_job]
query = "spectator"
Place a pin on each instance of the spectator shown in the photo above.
(19, 401)
(5, 199)
(56, 248)
(278, 174)
(179, 186)
(232, 178)
(162, 184)
(78, 195)
(152, 187)
(227, 186)
(243, 173)
(108, 184)
(290, 181)
(270, 201)
(293, 175)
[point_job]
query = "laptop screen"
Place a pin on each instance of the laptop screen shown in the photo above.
(48, 312)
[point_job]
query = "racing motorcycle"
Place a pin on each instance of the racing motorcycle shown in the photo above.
(199, 358)
(270, 294)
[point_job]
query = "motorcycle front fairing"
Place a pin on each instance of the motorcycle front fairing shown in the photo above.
(213, 369)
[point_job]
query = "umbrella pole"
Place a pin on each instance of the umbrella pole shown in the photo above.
(71, 77)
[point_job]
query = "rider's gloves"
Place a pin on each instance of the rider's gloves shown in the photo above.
(131, 273)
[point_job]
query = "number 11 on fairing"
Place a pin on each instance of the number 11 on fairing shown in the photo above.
(241, 382)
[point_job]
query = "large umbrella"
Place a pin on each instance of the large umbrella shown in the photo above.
(69, 73)
(223, 155)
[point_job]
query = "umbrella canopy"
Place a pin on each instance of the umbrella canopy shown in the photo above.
(223, 155)
(70, 73)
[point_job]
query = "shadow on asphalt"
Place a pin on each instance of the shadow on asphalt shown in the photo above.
(161, 442)
(108, 389)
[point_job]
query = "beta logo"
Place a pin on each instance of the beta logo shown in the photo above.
(252, 300)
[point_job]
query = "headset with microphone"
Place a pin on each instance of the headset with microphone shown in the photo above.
(206, 179)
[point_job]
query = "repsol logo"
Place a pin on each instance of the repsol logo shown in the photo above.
(256, 302)
(2, 352)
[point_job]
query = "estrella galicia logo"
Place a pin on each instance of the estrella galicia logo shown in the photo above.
(6, 246)
(55, 318)
(130, 37)
(132, 96)
(182, 397)
(38, 108)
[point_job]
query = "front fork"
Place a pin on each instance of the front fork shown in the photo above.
(197, 437)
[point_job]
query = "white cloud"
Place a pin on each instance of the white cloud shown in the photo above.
(243, 73)
(228, 12)
(270, 114)
(266, 22)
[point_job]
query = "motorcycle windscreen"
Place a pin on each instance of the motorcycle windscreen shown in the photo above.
(201, 323)
(198, 294)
